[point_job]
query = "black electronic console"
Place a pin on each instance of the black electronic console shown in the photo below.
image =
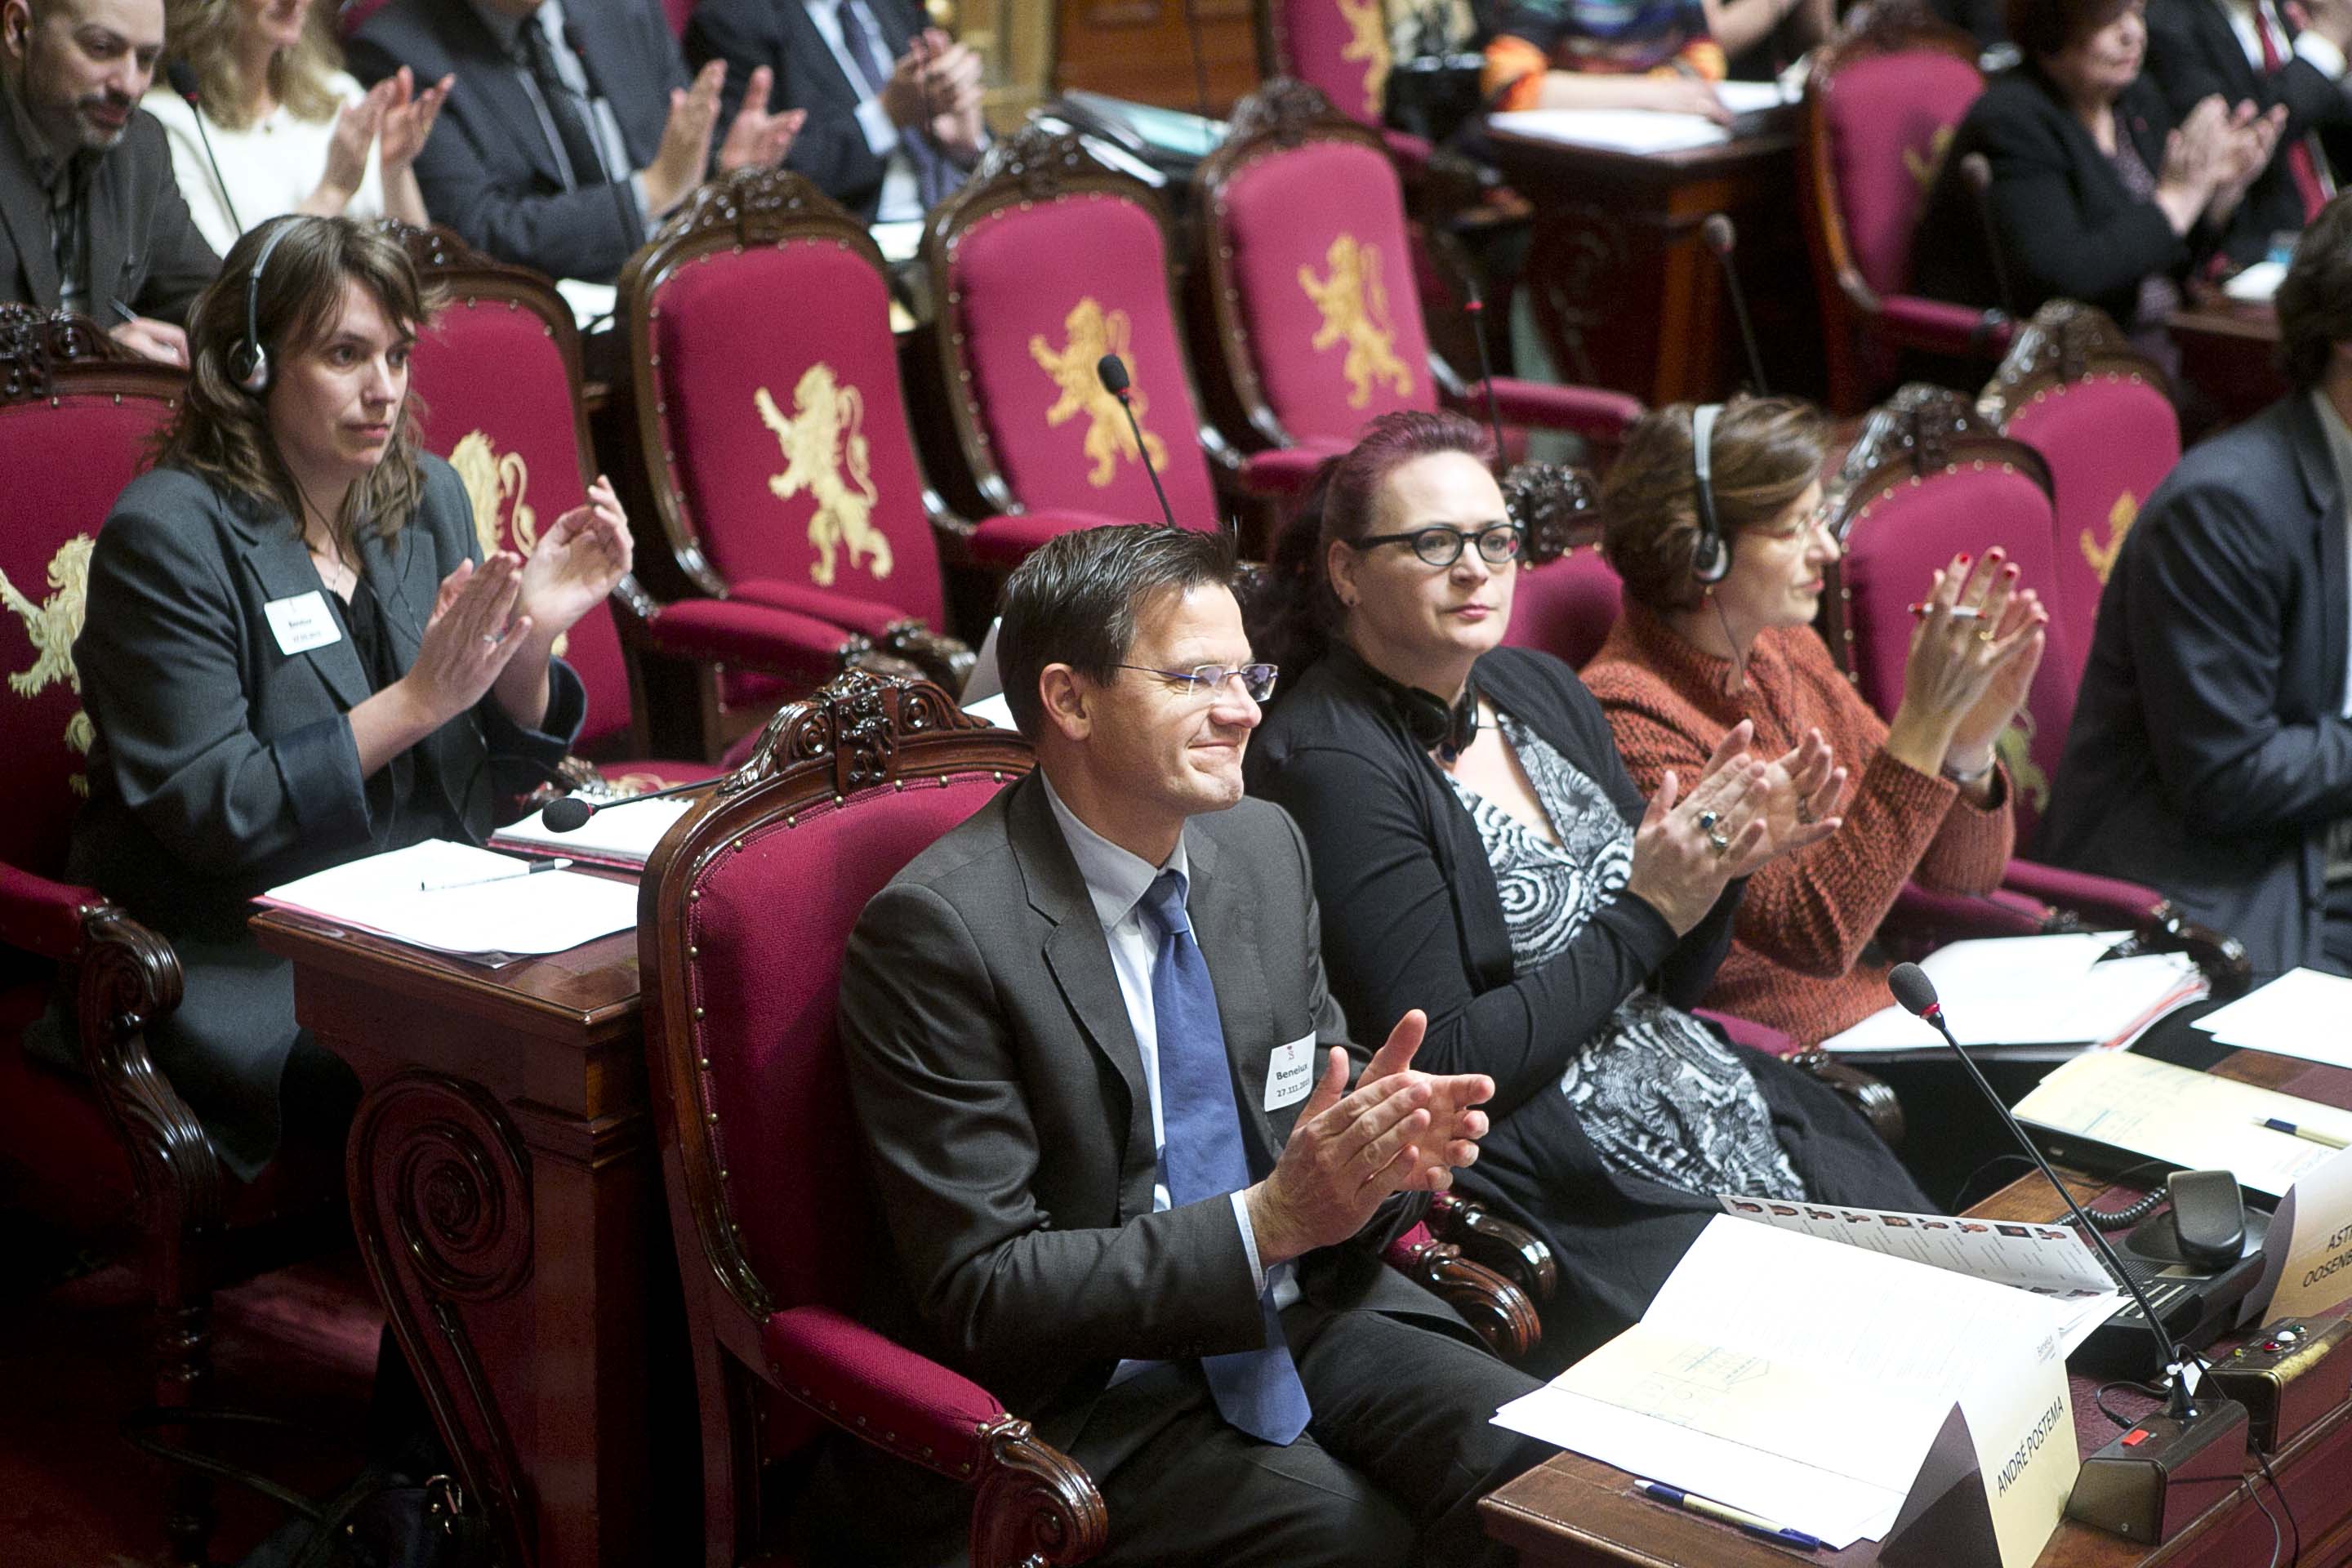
(2195, 1260)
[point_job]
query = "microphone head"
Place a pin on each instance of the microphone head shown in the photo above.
(1719, 235)
(1113, 371)
(183, 78)
(1913, 990)
(1978, 172)
(567, 814)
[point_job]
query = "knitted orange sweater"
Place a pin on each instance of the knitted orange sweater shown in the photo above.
(1796, 961)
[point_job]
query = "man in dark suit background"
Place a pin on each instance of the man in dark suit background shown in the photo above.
(894, 118)
(2210, 754)
(2247, 52)
(1103, 1092)
(90, 215)
(553, 97)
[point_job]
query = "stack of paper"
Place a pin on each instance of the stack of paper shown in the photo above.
(1805, 1381)
(2033, 998)
(623, 833)
(398, 896)
(2300, 1013)
(1643, 130)
(2192, 1120)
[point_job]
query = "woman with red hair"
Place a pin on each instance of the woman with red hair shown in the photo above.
(1480, 852)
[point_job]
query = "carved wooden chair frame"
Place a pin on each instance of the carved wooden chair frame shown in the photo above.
(2066, 342)
(125, 978)
(757, 207)
(1034, 165)
(1847, 299)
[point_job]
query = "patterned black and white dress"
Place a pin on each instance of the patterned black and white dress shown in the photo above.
(1658, 1095)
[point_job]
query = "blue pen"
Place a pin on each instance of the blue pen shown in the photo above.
(1723, 1513)
(2310, 1134)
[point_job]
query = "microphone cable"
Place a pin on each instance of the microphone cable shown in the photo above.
(182, 76)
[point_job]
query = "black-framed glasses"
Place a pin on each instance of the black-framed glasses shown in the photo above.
(1208, 679)
(1499, 544)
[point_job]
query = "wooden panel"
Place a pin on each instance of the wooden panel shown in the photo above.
(1140, 49)
(1016, 39)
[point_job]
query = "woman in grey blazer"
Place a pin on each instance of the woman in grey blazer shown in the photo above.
(296, 653)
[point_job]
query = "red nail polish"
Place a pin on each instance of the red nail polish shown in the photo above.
(2010, 570)
(1964, 560)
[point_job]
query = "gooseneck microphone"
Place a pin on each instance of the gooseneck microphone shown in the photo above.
(184, 81)
(1474, 308)
(1722, 240)
(633, 231)
(1978, 172)
(1113, 372)
(570, 813)
(1916, 994)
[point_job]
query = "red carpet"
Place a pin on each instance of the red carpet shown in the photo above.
(300, 1344)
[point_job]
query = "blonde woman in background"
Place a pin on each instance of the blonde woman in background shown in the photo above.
(292, 131)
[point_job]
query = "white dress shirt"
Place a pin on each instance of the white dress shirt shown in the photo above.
(1116, 881)
(2247, 16)
(902, 196)
(270, 167)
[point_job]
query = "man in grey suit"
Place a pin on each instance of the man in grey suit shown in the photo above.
(90, 215)
(573, 127)
(2210, 754)
(1105, 1098)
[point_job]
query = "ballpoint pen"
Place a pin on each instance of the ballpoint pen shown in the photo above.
(2310, 1134)
(1723, 1513)
(443, 884)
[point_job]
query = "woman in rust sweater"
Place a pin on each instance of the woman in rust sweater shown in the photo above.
(1690, 658)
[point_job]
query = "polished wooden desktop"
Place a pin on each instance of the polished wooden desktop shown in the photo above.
(1575, 1513)
(506, 1192)
(1624, 291)
(2229, 353)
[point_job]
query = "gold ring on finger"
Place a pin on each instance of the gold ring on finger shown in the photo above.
(1985, 634)
(1721, 842)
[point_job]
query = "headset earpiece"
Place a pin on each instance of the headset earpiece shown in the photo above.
(1433, 724)
(1711, 556)
(248, 362)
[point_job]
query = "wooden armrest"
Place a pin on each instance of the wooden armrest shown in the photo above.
(940, 656)
(2221, 959)
(1511, 1250)
(124, 979)
(1497, 1310)
(1878, 1103)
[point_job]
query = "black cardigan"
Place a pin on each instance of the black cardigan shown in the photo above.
(1411, 914)
(2068, 228)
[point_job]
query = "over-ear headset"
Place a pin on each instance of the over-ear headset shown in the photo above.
(1710, 558)
(1433, 724)
(248, 362)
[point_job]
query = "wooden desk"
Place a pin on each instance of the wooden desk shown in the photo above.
(1571, 1510)
(2228, 352)
(506, 1192)
(1624, 291)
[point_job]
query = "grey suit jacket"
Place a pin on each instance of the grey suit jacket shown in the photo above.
(144, 249)
(1002, 1101)
(223, 766)
(2207, 755)
(490, 170)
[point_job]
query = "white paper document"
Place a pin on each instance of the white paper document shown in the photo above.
(623, 833)
(1743, 1381)
(2302, 1012)
(1613, 130)
(2193, 1119)
(2047, 1259)
(547, 911)
(2056, 991)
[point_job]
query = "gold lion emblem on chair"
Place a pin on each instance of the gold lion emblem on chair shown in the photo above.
(2120, 518)
(1093, 332)
(1368, 45)
(1926, 164)
(1355, 306)
(823, 441)
(52, 625)
(2014, 747)
(494, 485)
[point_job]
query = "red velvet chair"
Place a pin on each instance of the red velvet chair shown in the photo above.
(1309, 269)
(112, 1146)
(1880, 105)
(773, 1227)
(1926, 479)
(1041, 264)
(2101, 415)
(770, 442)
(498, 377)
(1341, 49)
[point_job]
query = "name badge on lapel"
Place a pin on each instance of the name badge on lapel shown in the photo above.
(303, 622)
(1291, 1074)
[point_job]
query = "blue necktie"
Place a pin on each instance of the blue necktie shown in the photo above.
(1257, 1391)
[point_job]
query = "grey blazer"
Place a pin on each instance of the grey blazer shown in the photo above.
(490, 170)
(1002, 1101)
(144, 249)
(2208, 753)
(223, 766)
